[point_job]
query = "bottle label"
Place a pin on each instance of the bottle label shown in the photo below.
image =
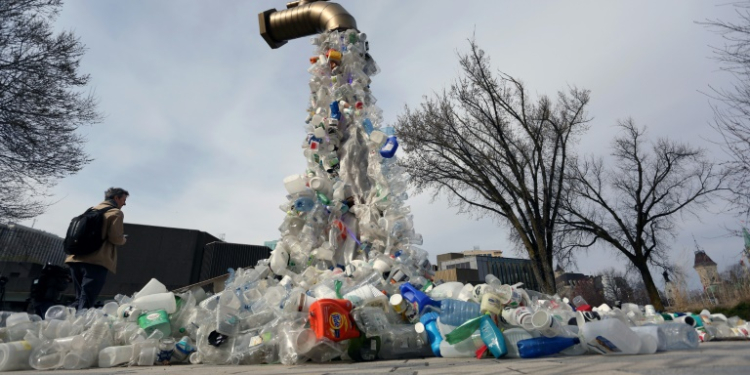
(603, 346)
(336, 321)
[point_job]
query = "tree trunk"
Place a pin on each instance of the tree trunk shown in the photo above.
(648, 281)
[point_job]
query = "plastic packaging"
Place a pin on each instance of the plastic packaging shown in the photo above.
(417, 298)
(330, 318)
(428, 323)
(454, 312)
(153, 286)
(512, 337)
(15, 355)
(680, 336)
(492, 337)
(610, 336)
(544, 346)
(159, 301)
(115, 355)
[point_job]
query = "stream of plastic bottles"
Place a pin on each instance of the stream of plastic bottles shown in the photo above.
(346, 279)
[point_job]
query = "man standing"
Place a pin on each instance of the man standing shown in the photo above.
(90, 271)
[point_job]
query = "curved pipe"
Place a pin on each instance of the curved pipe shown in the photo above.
(302, 19)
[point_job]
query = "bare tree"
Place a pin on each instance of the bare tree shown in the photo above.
(633, 206)
(40, 105)
(615, 286)
(732, 121)
(493, 150)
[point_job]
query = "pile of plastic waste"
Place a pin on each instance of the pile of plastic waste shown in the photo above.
(261, 319)
(346, 279)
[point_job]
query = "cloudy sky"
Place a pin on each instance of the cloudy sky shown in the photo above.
(204, 120)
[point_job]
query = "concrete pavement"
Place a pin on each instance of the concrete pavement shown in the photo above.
(712, 358)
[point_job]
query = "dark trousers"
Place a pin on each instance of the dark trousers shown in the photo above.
(88, 280)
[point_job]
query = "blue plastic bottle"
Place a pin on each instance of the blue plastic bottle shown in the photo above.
(304, 204)
(367, 124)
(389, 148)
(433, 333)
(454, 312)
(417, 298)
(492, 337)
(335, 113)
(542, 346)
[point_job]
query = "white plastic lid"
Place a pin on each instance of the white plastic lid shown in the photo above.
(419, 327)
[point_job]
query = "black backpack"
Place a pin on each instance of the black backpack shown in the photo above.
(84, 234)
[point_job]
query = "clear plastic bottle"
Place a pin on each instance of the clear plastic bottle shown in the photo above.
(403, 342)
(455, 312)
(680, 336)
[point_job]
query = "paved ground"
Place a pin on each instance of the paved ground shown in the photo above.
(712, 358)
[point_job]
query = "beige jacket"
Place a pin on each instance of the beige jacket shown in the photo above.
(113, 235)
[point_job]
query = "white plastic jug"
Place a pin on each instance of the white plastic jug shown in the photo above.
(153, 286)
(450, 290)
(609, 336)
(159, 301)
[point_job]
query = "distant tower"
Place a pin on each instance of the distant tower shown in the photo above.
(706, 269)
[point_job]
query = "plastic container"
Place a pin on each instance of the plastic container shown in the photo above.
(115, 355)
(447, 290)
(512, 337)
(454, 312)
(153, 286)
(518, 317)
(295, 184)
(330, 318)
(155, 320)
(15, 355)
(389, 148)
(610, 336)
(544, 346)
(159, 301)
(464, 349)
(428, 323)
(404, 342)
(406, 310)
(304, 204)
(417, 298)
(652, 338)
(492, 337)
(370, 320)
(492, 302)
(680, 336)
(547, 325)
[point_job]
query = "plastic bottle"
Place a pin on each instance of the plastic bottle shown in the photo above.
(428, 323)
(651, 338)
(182, 350)
(464, 349)
(417, 298)
(610, 336)
(466, 292)
(512, 337)
(15, 355)
(492, 337)
(404, 342)
(450, 290)
(166, 349)
(304, 204)
(543, 346)
(454, 312)
(680, 336)
(390, 147)
(370, 320)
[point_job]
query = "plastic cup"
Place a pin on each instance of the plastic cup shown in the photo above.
(687, 319)
(58, 312)
(15, 355)
(147, 356)
(546, 324)
(305, 341)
